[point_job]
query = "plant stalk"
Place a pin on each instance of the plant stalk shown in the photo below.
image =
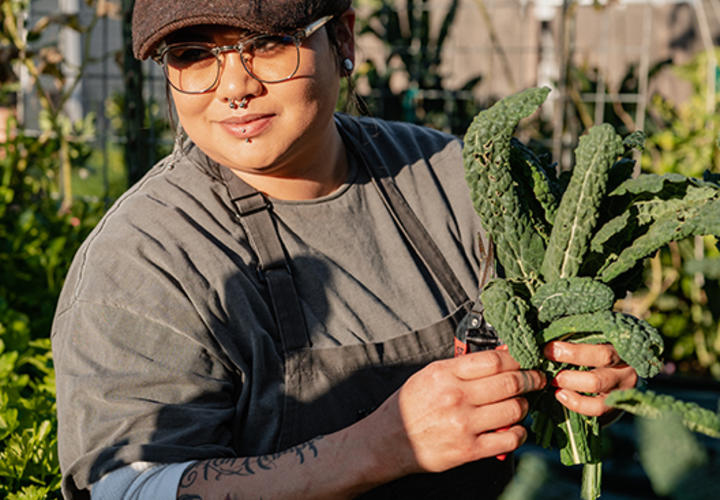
(591, 481)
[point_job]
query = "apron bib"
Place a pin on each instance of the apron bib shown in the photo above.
(327, 389)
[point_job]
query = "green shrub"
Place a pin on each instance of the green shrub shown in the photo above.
(37, 243)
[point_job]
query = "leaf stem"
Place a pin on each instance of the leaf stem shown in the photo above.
(591, 481)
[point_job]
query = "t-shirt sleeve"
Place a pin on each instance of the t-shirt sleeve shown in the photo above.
(140, 481)
(131, 388)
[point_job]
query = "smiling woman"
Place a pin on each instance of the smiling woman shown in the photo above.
(282, 131)
(271, 310)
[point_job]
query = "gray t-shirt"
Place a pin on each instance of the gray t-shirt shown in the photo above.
(163, 320)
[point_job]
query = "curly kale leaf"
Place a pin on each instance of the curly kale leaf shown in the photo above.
(653, 211)
(506, 309)
(570, 296)
(495, 193)
(672, 222)
(578, 209)
(535, 185)
(636, 342)
(651, 405)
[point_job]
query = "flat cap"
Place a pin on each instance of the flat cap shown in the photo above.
(153, 20)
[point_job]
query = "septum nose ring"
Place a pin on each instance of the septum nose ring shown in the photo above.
(234, 105)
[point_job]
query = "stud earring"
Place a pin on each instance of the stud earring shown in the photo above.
(244, 103)
(348, 65)
(233, 104)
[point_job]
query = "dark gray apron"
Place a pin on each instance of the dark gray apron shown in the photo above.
(327, 389)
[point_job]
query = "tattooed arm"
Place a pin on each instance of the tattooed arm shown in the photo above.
(319, 468)
(449, 413)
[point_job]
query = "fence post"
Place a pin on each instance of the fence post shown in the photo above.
(136, 143)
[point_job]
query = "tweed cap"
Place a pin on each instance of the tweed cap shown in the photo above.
(153, 20)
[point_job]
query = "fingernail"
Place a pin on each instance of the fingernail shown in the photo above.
(501, 457)
(502, 347)
(561, 395)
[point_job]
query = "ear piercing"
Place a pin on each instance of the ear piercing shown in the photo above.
(348, 64)
(234, 104)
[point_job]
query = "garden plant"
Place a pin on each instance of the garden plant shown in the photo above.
(569, 246)
(41, 226)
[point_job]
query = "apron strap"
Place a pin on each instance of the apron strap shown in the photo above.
(414, 231)
(254, 210)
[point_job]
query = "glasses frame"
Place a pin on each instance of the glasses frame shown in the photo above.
(298, 37)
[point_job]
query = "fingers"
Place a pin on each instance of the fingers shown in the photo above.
(482, 364)
(599, 380)
(501, 442)
(503, 386)
(498, 416)
(592, 406)
(594, 355)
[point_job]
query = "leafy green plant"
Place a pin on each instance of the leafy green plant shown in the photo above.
(569, 249)
(40, 230)
(37, 242)
(676, 462)
(681, 293)
(53, 83)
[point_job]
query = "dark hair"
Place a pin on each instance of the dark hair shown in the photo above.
(353, 102)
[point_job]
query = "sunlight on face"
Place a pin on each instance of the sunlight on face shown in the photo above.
(284, 124)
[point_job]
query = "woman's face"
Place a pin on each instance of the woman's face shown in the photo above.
(284, 125)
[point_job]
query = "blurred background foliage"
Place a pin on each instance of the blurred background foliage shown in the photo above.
(51, 196)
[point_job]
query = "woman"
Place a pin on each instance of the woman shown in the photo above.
(271, 310)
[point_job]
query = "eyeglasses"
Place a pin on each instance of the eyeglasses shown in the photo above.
(194, 67)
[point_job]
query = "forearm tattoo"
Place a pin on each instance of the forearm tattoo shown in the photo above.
(219, 468)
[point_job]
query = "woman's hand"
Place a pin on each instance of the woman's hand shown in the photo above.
(608, 373)
(449, 413)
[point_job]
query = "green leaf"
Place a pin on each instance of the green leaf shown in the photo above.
(649, 404)
(635, 141)
(671, 222)
(636, 341)
(7, 364)
(578, 209)
(582, 435)
(31, 492)
(534, 186)
(529, 479)
(569, 296)
(506, 310)
(8, 422)
(486, 153)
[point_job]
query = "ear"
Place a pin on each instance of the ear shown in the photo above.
(345, 34)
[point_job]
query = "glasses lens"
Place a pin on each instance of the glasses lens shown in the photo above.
(191, 68)
(272, 58)
(194, 68)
